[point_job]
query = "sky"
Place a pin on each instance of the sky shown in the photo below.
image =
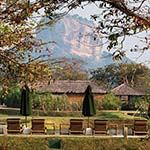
(87, 11)
(141, 57)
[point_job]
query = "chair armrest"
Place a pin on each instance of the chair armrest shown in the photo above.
(128, 124)
(21, 129)
(61, 127)
(115, 126)
(3, 123)
(52, 125)
(63, 124)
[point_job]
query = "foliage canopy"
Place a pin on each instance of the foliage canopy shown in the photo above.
(136, 75)
(18, 27)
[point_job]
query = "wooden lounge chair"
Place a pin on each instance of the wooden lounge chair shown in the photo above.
(100, 127)
(140, 127)
(76, 126)
(38, 126)
(13, 126)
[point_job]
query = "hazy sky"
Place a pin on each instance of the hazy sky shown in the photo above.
(91, 9)
(87, 11)
(130, 41)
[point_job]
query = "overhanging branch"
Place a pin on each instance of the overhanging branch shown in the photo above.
(120, 4)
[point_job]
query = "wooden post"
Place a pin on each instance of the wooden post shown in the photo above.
(125, 132)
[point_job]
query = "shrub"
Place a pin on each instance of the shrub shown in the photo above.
(73, 143)
(111, 102)
(98, 104)
(76, 106)
(12, 99)
(142, 105)
(48, 102)
(125, 106)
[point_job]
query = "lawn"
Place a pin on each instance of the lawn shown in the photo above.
(39, 142)
(111, 116)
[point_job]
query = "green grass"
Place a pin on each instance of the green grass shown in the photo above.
(115, 116)
(111, 116)
(73, 143)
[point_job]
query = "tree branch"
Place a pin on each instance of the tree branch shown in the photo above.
(120, 4)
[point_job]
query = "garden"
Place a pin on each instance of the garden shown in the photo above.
(58, 111)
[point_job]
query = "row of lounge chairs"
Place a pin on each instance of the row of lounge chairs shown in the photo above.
(140, 127)
(76, 126)
(13, 126)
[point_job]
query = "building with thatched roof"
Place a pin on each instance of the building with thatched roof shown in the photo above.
(74, 89)
(126, 93)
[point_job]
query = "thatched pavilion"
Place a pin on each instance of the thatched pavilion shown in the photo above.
(127, 93)
(74, 89)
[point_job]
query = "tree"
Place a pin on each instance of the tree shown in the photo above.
(18, 29)
(148, 111)
(136, 75)
(111, 102)
(142, 105)
(71, 69)
(12, 98)
(118, 19)
(107, 76)
(48, 102)
(20, 50)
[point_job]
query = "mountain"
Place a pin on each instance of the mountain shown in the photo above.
(75, 39)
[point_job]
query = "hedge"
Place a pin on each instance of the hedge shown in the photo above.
(16, 112)
(105, 115)
(72, 143)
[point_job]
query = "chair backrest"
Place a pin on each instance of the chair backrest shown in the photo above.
(13, 124)
(141, 125)
(100, 125)
(76, 124)
(38, 124)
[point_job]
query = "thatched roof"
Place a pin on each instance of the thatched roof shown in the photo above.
(124, 89)
(69, 86)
